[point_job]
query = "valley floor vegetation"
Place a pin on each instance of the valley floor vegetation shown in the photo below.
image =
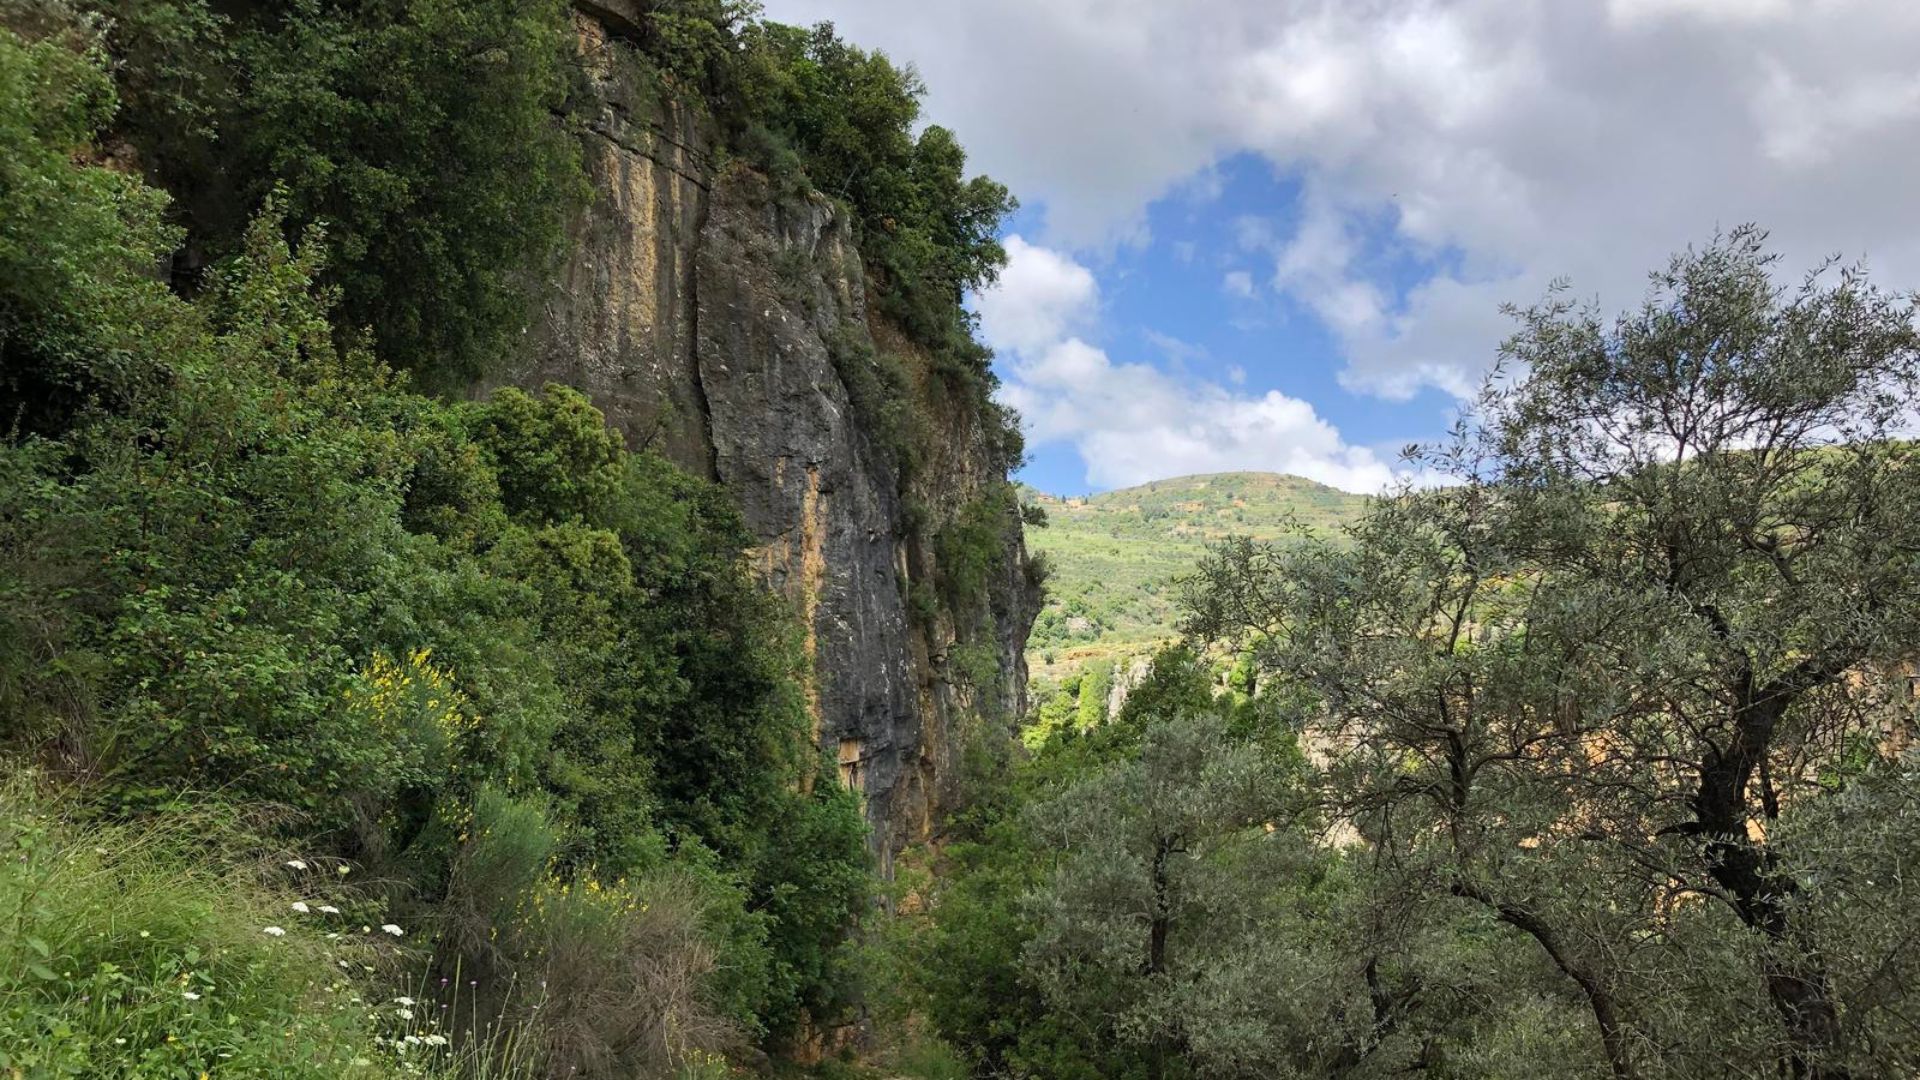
(1591, 762)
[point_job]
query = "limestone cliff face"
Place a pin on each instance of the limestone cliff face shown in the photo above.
(619, 323)
(701, 309)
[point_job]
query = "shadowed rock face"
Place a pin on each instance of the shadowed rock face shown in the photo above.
(697, 308)
(785, 442)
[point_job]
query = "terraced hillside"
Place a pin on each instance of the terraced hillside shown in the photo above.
(1115, 555)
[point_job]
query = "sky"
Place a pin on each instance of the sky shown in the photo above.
(1278, 234)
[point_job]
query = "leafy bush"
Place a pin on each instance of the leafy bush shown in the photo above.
(977, 663)
(814, 880)
(423, 134)
(883, 398)
(1096, 684)
(972, 546)
(479, 649)
(76, 241)
(554, 455)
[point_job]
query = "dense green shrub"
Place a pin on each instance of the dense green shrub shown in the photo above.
(1096, 683)
(883, 397)
(76, 241)
(423, 134)
(478, 649)
(973, 546)
(813, 882)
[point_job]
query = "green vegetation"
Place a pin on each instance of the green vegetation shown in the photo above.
(355, 695)
(822, 117)
(1611, 678)
(880, 389)
(1099, 890)
(352, 731)
(1115, 557)
(819, 115)
(844, 118)
(1594, 761)
(437, 141)
(1091, 694)
(132, 952)
(422, 135)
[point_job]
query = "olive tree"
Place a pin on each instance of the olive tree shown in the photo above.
(1161, 884)
(1590, 683)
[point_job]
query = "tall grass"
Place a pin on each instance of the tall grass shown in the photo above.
(145, 950)
(179, 947)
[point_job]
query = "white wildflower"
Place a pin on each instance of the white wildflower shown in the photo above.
(329, 909)
(391, 928)
(274, 931)
(403, 1001)
(296, 864)
(190, 995)
(436, 1040)
(404, 1014)
(301, 906)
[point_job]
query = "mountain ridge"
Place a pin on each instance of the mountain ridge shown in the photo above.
(1115, 555)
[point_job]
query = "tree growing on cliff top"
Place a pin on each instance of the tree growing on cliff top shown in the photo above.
(845, 118)
(431, 137)
(1598, 686)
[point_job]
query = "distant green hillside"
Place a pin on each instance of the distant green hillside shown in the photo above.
(1116, 555)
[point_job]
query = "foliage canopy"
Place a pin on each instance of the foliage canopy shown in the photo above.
(514, 676)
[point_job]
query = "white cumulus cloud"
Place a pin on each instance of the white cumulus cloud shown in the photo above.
(1130, 421)
(1496, 143)
(1041, 296)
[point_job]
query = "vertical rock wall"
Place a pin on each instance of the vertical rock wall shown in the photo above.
(619, 321)
(700, 308)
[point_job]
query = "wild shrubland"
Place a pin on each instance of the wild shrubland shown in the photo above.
(1594, 760)
(298, 651)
